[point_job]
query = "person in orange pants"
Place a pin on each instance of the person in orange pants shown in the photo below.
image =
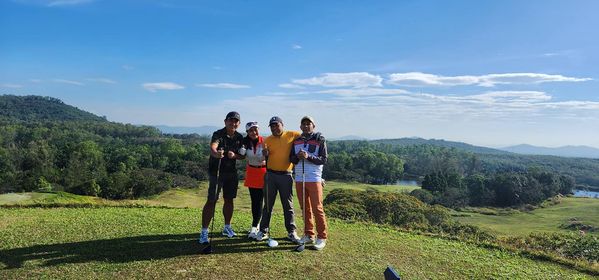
(309, 154)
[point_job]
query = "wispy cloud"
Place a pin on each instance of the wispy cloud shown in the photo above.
(352, 79)
(127, 67)
(424, 79)
(153, 87)
(37, 81)
(223, 86)
(68, 2)
(69, 82)
(101, 80)
(290, 86)
(54, 3)
(296, 47)
(11, 85)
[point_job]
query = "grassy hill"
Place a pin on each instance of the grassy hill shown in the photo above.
(117, 242)
(126, 240)
(546, 219)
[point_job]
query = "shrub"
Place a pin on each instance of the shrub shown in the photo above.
(423, 195)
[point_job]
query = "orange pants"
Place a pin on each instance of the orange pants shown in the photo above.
(313, 201)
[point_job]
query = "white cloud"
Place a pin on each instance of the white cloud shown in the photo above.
(37, 81)
(54, 3)
(153, 87)
(62, 81)
(223, 85)
(352, 79)
(11, 86)
(101, 80)
(290, 86)
(296, 47)
(127, 67)
(424, 79)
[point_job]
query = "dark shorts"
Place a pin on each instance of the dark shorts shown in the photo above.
(228, 183)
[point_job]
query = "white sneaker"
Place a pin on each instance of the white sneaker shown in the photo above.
(261, 236)
(204, 238)
(320, 243)
(228, 232)
(294, 237)
(253, 232)
(306, 240)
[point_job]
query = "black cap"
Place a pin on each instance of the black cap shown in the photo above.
(275, 120)
(233, 115)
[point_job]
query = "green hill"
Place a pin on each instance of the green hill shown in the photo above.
(118, 243)
(41, 108)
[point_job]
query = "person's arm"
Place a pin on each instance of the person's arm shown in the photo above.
(292, 155)
(214, 142)
(322, 153)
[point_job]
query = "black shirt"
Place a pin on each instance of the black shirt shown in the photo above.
(227, 143)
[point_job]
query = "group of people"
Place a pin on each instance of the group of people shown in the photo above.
(272, 164)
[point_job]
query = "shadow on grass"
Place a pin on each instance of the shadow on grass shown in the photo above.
(129, 249)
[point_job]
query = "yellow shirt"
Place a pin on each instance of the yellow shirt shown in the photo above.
(279, 148)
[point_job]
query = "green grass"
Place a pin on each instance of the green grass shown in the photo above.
(547, 219)
(159, 243)
(119, 242)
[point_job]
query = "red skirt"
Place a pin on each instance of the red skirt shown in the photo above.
(254, 177)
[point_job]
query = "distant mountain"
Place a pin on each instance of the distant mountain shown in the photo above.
(41, 108)
(441, 143)
(565, 151)
(201, 130)
(350, 137)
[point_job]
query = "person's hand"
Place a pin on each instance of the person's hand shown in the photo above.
(242, 150)
(231, 154)
(265, 151)
(302, 154)
(220, 153)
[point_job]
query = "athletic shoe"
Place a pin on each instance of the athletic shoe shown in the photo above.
(253, 232)
(228, 232)
(320, 243)
(294, 237)
(204, 237)
(306, 240)
(261, 236)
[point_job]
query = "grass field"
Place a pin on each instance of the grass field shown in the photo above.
(546, 219)
(158, 243)
(148, 242)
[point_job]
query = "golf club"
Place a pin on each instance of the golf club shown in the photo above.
(302, 246)
(271, 242)
(208, 248)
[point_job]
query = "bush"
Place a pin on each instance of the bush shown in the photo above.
(384, 207)
(423, 195)
(574, 246)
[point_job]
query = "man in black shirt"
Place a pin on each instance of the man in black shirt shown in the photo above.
(222, 172)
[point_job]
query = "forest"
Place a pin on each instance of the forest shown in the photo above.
(48, 145)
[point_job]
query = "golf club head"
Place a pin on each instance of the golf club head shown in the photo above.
(272, 243)
(300, 248)
(207, 250)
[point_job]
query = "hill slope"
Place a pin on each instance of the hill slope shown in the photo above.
(565, 151)
(440, 143)
(40, 108)
(116, 243)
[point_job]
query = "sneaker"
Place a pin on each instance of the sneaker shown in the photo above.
(294, 237)
(253, 232)
(306, 240)
(204, 237)
(261, 236)
(320, 243)
(228, 232)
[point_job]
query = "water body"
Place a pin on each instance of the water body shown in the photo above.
(407, 183)
(583, 193)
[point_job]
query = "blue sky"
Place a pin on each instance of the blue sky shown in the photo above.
(492, 73)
